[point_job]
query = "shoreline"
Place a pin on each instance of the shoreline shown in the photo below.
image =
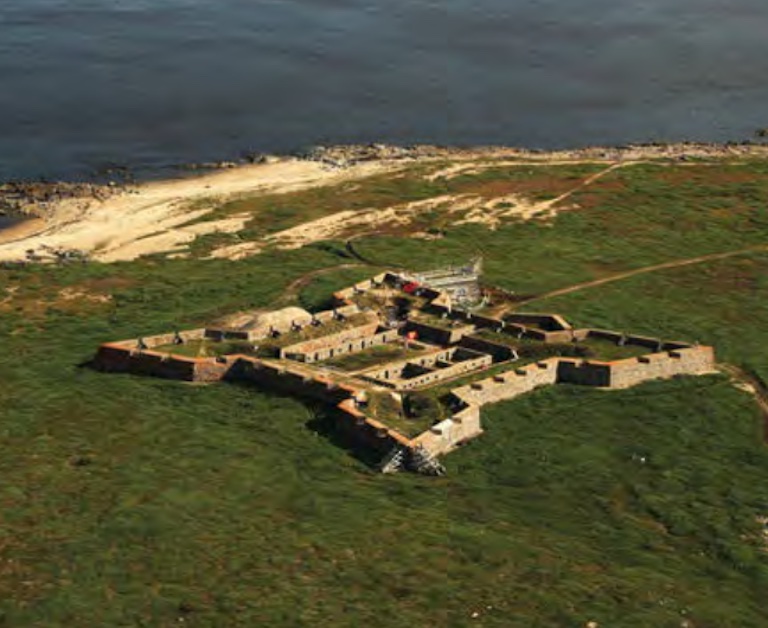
(22, 230)
(123, 222)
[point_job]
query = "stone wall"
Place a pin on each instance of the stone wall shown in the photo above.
(547, 322)
(159, 340)
(445, 373)
(219, 335)
(164, 339)
(508, 385)
(666, 359)
(554, 328)
(294, 380)
(444, 437)
(113, 358)
(428, 369)
(690, 361)
(500, 352)
(393, 370)
(298, 382)
(615, 375)
(484, 322)
(347, 341)
(346, 295)
(214, 369)
(617, 337)
(584, 372)
(437, 334)
(327, 316)
(521, 331)
(368, 432)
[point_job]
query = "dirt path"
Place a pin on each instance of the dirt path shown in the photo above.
(292, 289)
(590, 180)
(749, 383)
(641, 271)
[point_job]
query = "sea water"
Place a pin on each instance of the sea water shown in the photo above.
(86, 84)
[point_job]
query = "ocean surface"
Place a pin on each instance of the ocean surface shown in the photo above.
(9, 221)
(86, 84)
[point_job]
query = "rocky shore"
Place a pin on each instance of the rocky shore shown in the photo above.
(37, 198)
(345, 155)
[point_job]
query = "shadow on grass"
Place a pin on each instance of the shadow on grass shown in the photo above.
(325, 422)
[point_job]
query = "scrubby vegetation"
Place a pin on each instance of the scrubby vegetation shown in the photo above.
(141, 502)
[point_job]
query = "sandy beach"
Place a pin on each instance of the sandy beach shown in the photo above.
(151, 218)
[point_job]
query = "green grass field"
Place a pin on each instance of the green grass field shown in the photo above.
(207, 348)
(131, 501)
(372, 357)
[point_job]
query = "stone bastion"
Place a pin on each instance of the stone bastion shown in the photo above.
(365, 364)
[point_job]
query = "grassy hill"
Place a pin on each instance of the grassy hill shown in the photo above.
(137, 502)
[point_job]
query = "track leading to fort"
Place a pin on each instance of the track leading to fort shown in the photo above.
(752, 384)
(641, 271)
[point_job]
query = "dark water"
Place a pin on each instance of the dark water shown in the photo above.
(153, 82)
(9, 221)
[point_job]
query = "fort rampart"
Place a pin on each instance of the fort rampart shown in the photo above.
(459, 353)
(113, 358)
(614, 375)
(444, 437)
(509, 384)
(369, 432)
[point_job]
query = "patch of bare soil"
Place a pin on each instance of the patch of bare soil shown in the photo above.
(72, 294)
(73, 300)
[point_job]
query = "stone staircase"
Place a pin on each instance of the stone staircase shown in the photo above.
(395, 460)
(425, 463)
(402, 458)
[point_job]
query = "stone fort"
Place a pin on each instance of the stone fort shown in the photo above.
(405, 361)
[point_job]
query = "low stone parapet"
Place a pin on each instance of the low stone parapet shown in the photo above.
(508, 385)
(696, 360)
